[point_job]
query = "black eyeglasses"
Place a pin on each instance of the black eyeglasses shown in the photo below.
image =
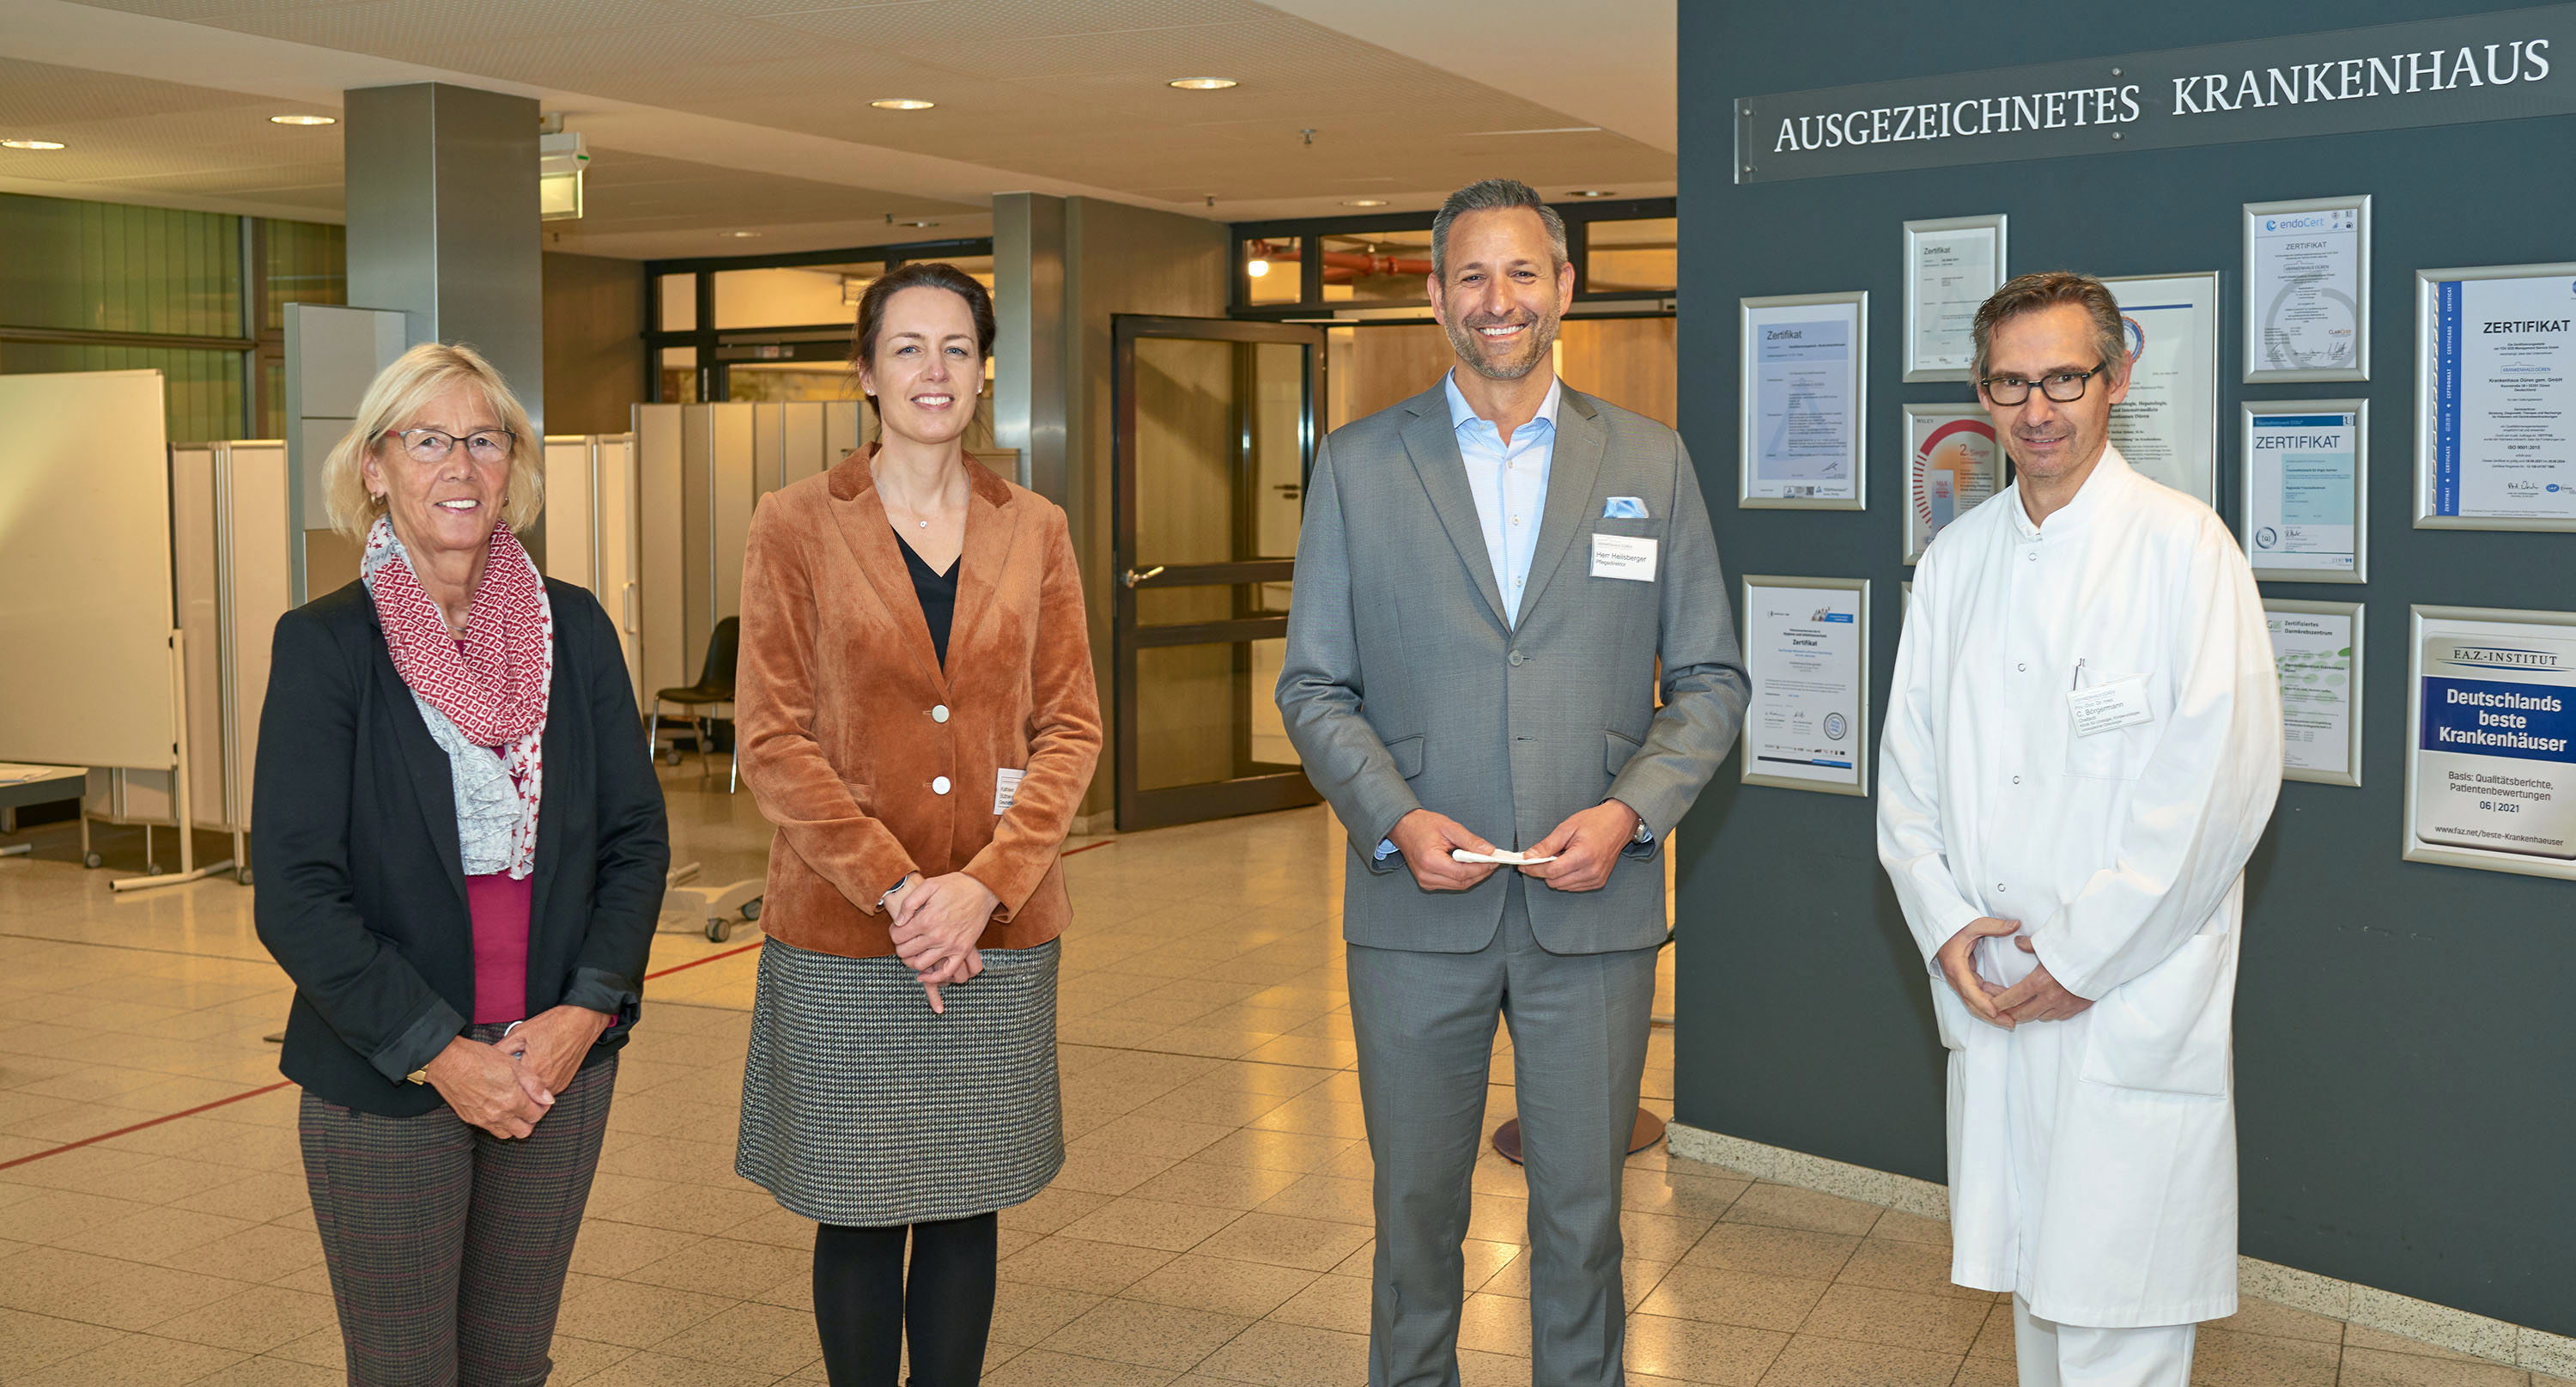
(433, 445)
(2065, 387)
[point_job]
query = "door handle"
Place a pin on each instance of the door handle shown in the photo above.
(1132, 577)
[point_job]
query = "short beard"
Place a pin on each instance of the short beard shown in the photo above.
(1470, 346)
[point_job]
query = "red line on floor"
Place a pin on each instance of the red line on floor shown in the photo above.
(692, 963)
(155, 1122)
(288, 1083)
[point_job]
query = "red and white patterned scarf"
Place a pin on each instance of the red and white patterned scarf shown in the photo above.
(492, 694)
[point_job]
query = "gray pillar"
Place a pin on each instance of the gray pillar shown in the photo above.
(1029, 347)
(442, 195)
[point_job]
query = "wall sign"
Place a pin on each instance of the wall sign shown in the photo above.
(2306, 492)
(2495, 398)
(1806, 646)
(2491, 754)
(2168, 427)
(1951, 466)
(1804, 391)
(2502, 66)
(2317, 648)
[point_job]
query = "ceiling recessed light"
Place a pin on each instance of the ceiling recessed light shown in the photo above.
(303, 120)
(1366, 202)
(902, 103)
(1592, 192)
(1201, 84)
(31, 144)
(742, 235)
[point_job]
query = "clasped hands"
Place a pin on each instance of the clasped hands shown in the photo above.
(936, 924)
(1586, 846)
(505, 1087)
(2038, 997)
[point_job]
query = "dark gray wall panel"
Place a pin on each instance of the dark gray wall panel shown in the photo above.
(2406, 1047)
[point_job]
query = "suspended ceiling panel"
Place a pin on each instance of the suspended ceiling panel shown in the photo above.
(1017, 81)
(1036, 92)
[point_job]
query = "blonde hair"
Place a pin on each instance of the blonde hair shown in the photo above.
(403, 389)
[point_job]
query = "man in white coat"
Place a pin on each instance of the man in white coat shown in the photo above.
(2082, 746)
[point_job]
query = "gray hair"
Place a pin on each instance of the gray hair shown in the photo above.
(1493, 195)
(2047, 289)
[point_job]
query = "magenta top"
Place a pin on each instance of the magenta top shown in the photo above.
(500, 908)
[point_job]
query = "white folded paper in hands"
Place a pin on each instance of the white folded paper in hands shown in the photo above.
(1503, 856)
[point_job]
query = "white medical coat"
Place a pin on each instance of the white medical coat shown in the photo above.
(2121, 854)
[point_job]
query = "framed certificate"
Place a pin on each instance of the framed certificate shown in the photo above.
(2168, 427)
(2495, 398)
(1802, 394)
(2307, 289)
(1951, 466)
(2317, 646)
(1806, 648)
(1952, 266)
(2307, 490)
(2491, 740)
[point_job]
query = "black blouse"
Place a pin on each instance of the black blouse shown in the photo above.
(938, 594)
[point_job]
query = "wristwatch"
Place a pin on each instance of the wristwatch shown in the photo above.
(1643, 834)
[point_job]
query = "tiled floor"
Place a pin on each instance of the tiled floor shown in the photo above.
(1211, 1226)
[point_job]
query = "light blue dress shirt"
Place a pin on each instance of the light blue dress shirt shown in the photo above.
(1510, 484)
(1509, 481)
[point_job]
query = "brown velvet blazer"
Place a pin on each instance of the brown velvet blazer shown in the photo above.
(839, 710)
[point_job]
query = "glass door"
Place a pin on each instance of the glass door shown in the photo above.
(1216, 427)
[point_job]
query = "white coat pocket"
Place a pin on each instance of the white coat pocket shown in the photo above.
(2168, 1030)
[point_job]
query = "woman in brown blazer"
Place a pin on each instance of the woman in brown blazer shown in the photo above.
(917, 716)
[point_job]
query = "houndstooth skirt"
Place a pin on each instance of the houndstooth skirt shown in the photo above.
(861, 1106)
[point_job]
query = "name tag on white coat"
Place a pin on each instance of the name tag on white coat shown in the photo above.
(1623, 556)
(2109, 707)
(1006, 788)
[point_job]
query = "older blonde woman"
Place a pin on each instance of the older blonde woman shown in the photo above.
(461, 853)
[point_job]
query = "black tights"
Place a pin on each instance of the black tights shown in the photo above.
(866, 1311)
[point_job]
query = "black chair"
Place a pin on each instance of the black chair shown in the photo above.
(714, 688)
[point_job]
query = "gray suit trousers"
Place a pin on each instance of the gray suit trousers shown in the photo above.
(1425, 1025)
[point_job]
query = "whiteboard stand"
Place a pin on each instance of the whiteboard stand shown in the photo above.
(181, 808)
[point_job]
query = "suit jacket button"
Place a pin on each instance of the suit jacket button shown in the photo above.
(939, 786)
(939, 712)
(1519, 658)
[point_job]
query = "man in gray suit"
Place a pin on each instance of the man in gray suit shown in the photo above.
(1488, 575)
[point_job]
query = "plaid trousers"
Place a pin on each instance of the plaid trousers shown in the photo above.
(447, 1246)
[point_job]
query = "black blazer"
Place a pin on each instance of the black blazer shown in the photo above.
(361, 884)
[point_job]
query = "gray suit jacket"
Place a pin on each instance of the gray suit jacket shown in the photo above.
(1405, 688)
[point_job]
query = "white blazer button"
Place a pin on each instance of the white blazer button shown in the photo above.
(939, 786)
(939, 712)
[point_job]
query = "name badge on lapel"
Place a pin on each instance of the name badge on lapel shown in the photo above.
(1623, 556)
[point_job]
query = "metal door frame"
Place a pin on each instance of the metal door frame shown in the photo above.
(1139, 808)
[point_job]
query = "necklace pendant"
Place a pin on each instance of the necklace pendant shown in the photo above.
(924, 524)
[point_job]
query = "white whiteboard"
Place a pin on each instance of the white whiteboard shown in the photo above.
(85, 615)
